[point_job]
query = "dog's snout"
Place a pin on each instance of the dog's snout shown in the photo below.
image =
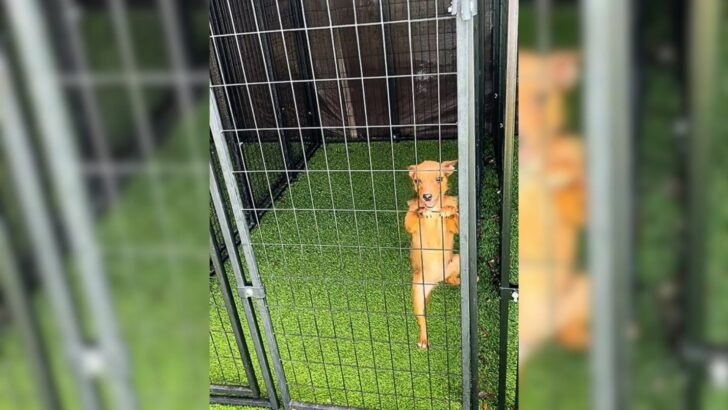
(427, 197)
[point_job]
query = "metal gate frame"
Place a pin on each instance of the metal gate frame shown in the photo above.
(470, 105)
(224, 394)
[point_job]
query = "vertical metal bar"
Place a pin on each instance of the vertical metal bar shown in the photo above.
(21, 312)
(303, 62)
(242, 227)
(89, 102)
(390, 67)
(266, 49)
(704, 23)
(608, 136)
(466, 192)
(509, 126)
(176, 45)
(498, 55)
(230, 244)
(232, 311)
(57, 134)
(37, 218)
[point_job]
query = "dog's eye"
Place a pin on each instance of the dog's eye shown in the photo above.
(417, 181)
(438, 179)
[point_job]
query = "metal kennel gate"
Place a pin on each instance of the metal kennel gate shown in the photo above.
(316, 109)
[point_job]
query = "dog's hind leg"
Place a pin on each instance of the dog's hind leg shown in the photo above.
(421, 292)
(452, 271)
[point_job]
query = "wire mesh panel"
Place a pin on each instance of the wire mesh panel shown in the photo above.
(360, 93)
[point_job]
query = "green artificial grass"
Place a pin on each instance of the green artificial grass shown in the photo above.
(337, 278)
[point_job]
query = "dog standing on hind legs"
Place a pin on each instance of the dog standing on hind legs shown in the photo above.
(432, 221)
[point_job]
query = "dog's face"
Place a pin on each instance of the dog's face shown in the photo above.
(544, 82)
(429, 180)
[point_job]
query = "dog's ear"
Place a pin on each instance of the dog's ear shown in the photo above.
(564, 68)
(412, 169)
(448, 167)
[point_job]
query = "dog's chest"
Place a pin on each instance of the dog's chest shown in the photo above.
(432, 233)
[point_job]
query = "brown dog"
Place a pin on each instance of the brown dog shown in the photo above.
(432, 220)
(551, 215)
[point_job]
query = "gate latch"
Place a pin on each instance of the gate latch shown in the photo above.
(252, 292)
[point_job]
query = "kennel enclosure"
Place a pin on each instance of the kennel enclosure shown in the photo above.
(317, 108)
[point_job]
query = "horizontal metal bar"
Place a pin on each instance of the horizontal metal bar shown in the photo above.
(335, 79)
(308, 406)
(373, 393)
(331, 210)
(336, 26)
(328, 171)
(191, 253)
(407, 313)
(240, 401)
(161, 78)
(232, 391)
(343, 246)
(339, 127)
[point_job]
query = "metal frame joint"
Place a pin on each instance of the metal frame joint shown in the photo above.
(252, 292)
(466, 9)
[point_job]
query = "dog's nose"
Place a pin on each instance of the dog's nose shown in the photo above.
(427, 197)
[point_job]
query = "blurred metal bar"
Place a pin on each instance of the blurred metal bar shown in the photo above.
(16, 141)
(509, 125)
(181, 75)
(36, 56)
(21, 311)
(704, 25)
(607, 56)
(543, 26)
(467, 186)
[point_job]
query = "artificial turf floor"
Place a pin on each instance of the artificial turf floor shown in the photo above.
(337, 279)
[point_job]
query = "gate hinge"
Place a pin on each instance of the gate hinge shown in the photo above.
(252, 292)
(464, 8)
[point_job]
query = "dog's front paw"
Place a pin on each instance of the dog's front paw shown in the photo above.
(448, 212)
(422, 344)
(426, 213)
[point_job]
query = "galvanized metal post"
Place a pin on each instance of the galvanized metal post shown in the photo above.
(236, 204)
(467, 162)
(607, 28)
(509, 126)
